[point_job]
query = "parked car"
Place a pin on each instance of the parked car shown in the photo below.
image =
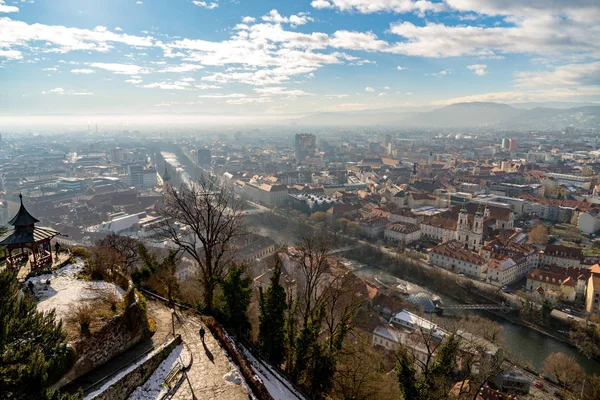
(538, 385)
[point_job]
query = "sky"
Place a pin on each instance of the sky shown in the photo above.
(269, 58)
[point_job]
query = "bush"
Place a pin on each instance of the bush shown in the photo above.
(81, 252)
(83, 314)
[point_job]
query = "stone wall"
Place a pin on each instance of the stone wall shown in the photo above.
(122, 389)
(119, 334)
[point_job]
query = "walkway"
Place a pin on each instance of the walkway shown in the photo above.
(212, 373)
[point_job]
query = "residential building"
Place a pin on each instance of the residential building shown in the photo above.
(402, 232)
(267, 194)
(453, 256)
(592, 301)
(562, 256)
(569, 283)
(589, 222)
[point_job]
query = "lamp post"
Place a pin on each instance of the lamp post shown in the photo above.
(172, 319)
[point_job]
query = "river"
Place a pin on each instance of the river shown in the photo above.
(527, 344)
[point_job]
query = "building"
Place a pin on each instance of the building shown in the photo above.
(166, 181)
(305, 146)
(136, 175)
(402, 232)
(470, 233)
(149, 178)
(512, 145)
(589, 222)
(269, 195)
(453, 256)
(578, 181)
(592, 301)
(569, 283)
(373, 227)
(509, 260)
(562, 256)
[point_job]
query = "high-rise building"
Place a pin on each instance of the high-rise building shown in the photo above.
(136, 174)
(203, 157)
(512, 144)
(505, 143)
(305, 145)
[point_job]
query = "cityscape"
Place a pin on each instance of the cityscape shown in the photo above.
(225, 200)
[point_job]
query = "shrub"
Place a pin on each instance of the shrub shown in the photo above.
(81, 252)
(83, 314)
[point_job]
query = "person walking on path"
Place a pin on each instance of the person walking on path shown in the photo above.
(202, 333)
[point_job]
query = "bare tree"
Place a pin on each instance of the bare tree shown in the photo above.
(313, 266)
(201, 219)
(127, 247)
(564, 370)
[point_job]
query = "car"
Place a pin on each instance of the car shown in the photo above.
(538, 385)
(567, 310)
(461, 275)
(504, 288)
(570, 317)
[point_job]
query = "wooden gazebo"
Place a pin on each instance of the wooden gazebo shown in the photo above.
(25, 237)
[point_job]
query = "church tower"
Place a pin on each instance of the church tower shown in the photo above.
(166, 180)
(413, 175)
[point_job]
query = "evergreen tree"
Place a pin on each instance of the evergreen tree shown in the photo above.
(158, 275)
(33, 349)
(237, 292)
(271, 331)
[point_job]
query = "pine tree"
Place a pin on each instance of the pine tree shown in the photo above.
(271, 331)
(237, 292)
(33, 349)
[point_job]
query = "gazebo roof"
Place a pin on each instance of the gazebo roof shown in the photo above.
(23, 218)
(36, 235)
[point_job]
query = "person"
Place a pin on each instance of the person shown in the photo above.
(202, 333)
(56, 248)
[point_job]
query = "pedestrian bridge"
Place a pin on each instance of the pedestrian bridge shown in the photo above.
(474, 307)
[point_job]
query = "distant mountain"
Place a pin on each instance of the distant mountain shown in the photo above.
(466, 115)
(463, 115)
(552, 104)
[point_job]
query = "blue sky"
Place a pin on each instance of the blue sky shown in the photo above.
(260, 57)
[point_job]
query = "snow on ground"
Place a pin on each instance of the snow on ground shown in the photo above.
(117, 377)
(154, 389)
(65, 290)
(270, 379)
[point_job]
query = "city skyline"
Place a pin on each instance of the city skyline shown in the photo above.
(266, 58)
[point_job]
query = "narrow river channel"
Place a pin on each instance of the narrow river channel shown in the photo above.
(527, 344)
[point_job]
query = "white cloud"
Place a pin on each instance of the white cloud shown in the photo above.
(444, 72)
(248, 100)
(382, 94)
(83, 71)
(408, 93)
(60, 39)
(279, 90)
(122, 69)
(321, 4)
(223, 96)
(178, 85)
(203, 86)
(478, 69)
(57, 90)
(50, 69)
(336, 96)
(206, 4)
(117, 29)
(293, 20)
(188, 79)
(139, 2)
(134, 81)
(564, 75)
(182, 68)
(375, 6)
(7, 9)
(62, 91)
(589, 93)
(369, 89)
(248, 20)
(386, 88)
(11, 54)
(401, 68)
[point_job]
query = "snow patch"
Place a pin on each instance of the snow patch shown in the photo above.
(271, 379)
(154, 388)
(64, 289)
(233, 377)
